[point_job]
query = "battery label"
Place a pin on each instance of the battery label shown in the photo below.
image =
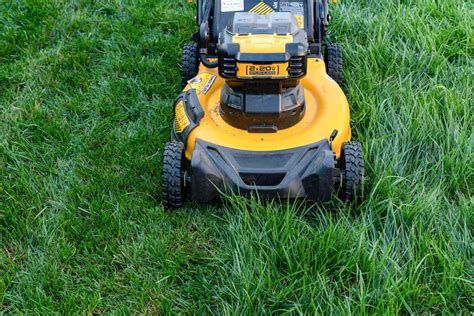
(277, 70)
(232, 5)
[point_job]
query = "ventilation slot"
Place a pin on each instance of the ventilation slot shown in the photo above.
(262, 179)
(296, 67)
(228, 67)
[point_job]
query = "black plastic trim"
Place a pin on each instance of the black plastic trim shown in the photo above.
(263, 58)
(303, 172)
(194, 112)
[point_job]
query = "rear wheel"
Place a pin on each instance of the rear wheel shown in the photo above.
(189, 63)
(333, 59)
(173, 176)
(351, 165)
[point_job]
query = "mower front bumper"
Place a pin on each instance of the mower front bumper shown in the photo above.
(303, 172)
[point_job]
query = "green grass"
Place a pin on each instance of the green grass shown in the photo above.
(86, 89)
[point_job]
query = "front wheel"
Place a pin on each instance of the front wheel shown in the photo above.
(351, 165)
(173, 176)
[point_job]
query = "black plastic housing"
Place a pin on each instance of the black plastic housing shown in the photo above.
(230, 54)
(303, 172)
(265, 107)
(224, 19)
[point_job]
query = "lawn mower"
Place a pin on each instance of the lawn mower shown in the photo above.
(262, 108)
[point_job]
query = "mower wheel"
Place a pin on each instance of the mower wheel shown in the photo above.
(189, 63)
(334, 62)
(173, 176)
(351, 165)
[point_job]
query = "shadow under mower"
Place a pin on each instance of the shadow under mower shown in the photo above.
(262, 109)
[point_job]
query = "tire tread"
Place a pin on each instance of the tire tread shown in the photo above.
(172, 185)
(334, 64)
(352, 172)
(189, 63)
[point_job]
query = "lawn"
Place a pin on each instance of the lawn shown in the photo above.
(86, 90)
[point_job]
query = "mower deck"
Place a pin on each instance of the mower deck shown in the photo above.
(326, 110)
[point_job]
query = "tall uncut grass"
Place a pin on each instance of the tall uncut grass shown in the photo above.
(86, 89)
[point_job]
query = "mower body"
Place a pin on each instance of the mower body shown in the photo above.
(261, 113)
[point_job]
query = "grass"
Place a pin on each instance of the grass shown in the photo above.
(86, 89)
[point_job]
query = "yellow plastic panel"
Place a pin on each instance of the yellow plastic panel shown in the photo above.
(262, 43)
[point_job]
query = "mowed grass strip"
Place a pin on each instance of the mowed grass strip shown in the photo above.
(86, 90)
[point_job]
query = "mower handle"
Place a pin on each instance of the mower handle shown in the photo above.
(204, 35)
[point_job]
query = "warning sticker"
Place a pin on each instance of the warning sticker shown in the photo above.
(295, 7)
(300, 20)
(232, 5)
(202, 83)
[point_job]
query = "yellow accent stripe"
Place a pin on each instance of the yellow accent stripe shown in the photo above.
(269, 11)
(258, 6)
(262, 9)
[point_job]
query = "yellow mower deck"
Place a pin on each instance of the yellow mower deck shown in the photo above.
(327, 109)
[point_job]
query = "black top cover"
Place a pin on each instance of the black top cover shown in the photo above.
(280, 23)
(224, 11)
(250, 23)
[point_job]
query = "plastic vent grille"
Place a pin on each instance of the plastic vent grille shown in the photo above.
(296, 66)
(229, 67)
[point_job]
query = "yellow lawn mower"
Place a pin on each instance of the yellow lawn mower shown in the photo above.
(262, 109)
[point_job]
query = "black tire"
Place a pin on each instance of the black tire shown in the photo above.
(173, 176)
(334, 63)
(189, 63)
(351, 165)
